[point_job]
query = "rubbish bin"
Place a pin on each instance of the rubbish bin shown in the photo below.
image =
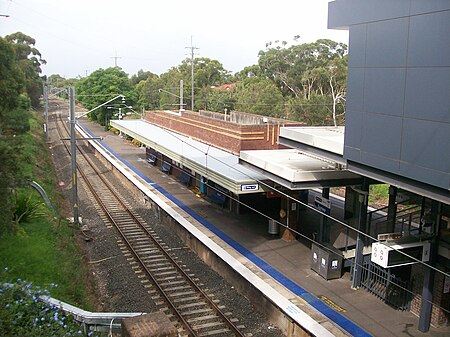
(274, 227)
(325, 262)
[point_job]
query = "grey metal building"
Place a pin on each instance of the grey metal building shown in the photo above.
(398, 112)
(398, 97)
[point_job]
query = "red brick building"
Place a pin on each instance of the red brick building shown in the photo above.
(232, 132)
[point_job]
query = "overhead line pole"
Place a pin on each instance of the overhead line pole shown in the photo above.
(73, 147)
(73, 155)
(192, 48)
(46, 110)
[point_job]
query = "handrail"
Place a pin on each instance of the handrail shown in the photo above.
(95, 321)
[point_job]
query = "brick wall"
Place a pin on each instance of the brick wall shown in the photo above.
(440, 300)
(228, 136)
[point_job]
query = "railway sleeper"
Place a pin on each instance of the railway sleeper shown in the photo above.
(197, 311)
(201, 318)
(161, 265)
(188, 299)
(201, 305)
(186, 293)
(214, 332)
(179, 277)
(175, 288)
(153, 257)
(172, 283)
(172, 272)
(208, 325)
(162, 270)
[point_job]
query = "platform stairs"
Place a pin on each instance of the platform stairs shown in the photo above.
(387, 285)
(391, 285)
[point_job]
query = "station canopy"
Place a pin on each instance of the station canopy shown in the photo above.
(216, 165)
(314, 159)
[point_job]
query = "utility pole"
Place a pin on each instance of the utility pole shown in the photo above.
(46, 110)
(115, 59)
(192, 48)
(73, 150)
(181, 96)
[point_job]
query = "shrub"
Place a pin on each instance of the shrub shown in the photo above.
(24, 313)
(26, 207)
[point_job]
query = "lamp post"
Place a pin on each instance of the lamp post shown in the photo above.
(73, 147)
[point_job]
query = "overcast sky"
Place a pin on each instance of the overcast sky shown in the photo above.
(78, 37)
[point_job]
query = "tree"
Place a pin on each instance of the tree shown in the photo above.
(148, 94)
(29, 61)
(249, 72)
(102, 85)
(141, 76)
(207, 73)
(261, 96)
(291, 68)
(13, 120)
(337, 79)
(12, 80)
(313, 72)
(314, 111)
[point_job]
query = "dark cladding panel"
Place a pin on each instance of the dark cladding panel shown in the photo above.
(432, 83)
(345, 13)
(429, 40)
(398, 117)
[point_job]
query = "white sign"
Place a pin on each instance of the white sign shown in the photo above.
(447, 285)
(249, 187)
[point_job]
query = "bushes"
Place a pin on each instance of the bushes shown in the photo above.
(23, 313)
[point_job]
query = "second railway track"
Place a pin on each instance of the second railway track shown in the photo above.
(175, 291)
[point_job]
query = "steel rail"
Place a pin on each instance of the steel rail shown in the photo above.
(204, 296)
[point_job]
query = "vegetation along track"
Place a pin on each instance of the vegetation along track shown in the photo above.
(174, 290)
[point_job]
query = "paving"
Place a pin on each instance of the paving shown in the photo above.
(290, 261)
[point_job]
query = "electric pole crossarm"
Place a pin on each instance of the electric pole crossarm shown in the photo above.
(103, 104)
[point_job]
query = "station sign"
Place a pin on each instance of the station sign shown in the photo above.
(249, 187)
(322, 204)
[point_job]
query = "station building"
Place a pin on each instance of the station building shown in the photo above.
(397, 133)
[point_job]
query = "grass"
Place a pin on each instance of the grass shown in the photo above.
(379, 194)
(43, 250)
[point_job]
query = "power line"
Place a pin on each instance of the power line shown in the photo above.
(353, 262)
(305, 204)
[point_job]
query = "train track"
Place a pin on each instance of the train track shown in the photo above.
(173, 288)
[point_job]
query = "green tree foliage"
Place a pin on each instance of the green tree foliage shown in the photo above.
(19, 78)
(141, 76)
(12, 80)
(29, 61)
(148, 94)
(102, 85)
(311, 77)
(218, 100)
(260, 96)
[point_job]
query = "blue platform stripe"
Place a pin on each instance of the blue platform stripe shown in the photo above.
(312, 300)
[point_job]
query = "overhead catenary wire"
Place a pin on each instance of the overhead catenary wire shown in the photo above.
(308, 206)
(308, 238)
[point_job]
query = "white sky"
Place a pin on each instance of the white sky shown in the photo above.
(78, 37)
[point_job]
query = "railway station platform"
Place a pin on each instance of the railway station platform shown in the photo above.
(287, 265)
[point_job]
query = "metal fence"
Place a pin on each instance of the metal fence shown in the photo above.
(386, 286)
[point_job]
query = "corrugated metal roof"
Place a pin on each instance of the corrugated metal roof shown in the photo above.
(217, 165)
